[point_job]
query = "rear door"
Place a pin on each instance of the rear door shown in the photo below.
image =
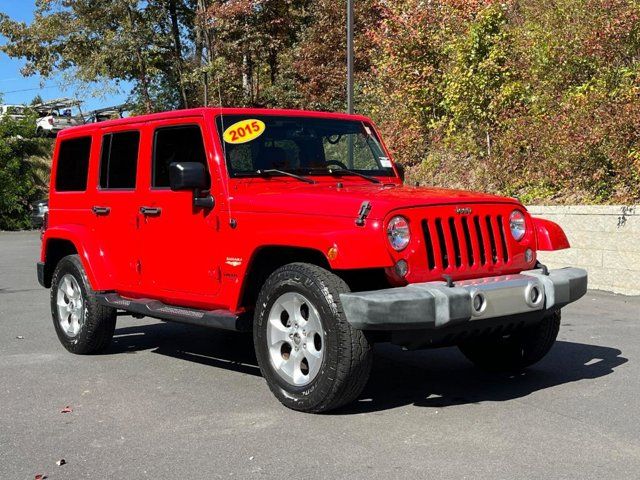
(114, 207)
(179, 242)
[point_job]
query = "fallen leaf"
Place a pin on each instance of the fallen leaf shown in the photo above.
(66, 409)
(60, 462)
(40, 476)
(20, 337)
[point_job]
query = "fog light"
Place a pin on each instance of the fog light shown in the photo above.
(478, 303)
(528, 255)
(402, 268)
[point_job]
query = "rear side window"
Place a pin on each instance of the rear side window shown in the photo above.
(119, 160)
(73, 165)
(175, 144)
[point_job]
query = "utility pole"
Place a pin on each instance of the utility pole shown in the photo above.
(350, 56)
(350, 77)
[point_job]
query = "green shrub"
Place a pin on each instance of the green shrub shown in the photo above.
(24, 171)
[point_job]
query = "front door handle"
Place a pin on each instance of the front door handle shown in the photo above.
(100, 210)
(150, 211)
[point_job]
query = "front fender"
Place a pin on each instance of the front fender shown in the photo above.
(88, 250)
(550, 235)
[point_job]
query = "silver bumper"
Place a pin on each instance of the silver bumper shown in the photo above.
(433, 305)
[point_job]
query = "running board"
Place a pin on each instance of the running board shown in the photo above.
(222, 319)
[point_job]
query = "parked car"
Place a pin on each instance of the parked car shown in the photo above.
(38, 211)
(296, 226)
(16, 112)
(56, 115)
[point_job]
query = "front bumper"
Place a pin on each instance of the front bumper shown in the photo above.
(434, 305)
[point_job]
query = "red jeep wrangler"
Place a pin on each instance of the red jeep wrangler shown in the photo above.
(296, 225)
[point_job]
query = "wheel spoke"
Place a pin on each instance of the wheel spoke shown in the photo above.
(67, 287)
(313, 325)
(279, 333)
(314, 360)
(299, 378)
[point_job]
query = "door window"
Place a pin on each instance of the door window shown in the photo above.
(175, 144)
(73, 165)
(119, 160)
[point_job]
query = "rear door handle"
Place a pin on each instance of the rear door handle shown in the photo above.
(101, 210)
(150, 211)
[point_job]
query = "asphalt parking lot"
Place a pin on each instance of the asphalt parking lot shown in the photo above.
(171, 401)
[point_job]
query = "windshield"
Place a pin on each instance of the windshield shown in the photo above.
(255, 144)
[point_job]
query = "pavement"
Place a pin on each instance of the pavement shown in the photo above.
(178, 402)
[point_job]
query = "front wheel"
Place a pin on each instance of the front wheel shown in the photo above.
(311, 358)
(83, 325)
(516, 351)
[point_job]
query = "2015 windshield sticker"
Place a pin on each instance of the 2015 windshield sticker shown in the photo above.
(244, 131)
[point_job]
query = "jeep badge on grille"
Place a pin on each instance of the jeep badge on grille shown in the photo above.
(463, 211)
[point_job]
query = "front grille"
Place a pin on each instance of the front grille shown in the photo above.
(461, 242)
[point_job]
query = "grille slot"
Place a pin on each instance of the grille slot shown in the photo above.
(442, 244)
(459, 242)
(503, 239)
(431, 259)
(483, 254)
(492, 240)
(455, 241)
(467, 240)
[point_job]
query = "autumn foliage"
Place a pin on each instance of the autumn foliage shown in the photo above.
(532, 98)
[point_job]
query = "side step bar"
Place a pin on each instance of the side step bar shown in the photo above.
(222, 319)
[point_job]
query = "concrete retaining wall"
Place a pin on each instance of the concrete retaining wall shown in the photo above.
(605, 240)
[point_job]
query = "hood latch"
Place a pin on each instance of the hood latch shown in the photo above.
(365, 208)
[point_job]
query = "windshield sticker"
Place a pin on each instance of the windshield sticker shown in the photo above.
(244, 131)
(385, 162)
(368, 130)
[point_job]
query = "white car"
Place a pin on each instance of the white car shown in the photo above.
(16, 112)
(54, 120)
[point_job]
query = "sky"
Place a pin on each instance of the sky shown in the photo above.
(16, 89)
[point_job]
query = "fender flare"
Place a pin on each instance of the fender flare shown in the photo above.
(550, 235)
(89, 251)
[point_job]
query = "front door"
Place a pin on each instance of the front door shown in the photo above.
(179, 262)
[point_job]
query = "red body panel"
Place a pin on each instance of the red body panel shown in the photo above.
(200, 258)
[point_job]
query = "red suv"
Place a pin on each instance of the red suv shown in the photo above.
(295, 225)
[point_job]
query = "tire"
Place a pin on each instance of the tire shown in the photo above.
(89, 329)
(339, 376)
(517, 351)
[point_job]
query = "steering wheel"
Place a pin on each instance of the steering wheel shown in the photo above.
(336, 162)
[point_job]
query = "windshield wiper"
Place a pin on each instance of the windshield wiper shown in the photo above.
(352, 172)
(283, 172)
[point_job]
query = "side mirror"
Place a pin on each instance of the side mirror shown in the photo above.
(191, 176)
(401, 171)
(188, 176)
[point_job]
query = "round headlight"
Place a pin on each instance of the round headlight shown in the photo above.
(398, 233)
(517, 225)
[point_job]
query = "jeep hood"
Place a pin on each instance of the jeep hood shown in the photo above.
(327, 199)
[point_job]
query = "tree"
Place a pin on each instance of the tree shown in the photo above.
(24, 171)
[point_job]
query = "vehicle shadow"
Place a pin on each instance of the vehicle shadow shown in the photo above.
(428, 378)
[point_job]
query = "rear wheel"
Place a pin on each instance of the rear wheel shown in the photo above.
(83, 325)
(516, 351)
(311, 358)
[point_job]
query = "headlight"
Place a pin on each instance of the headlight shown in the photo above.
(398, 233)
(517, 225)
